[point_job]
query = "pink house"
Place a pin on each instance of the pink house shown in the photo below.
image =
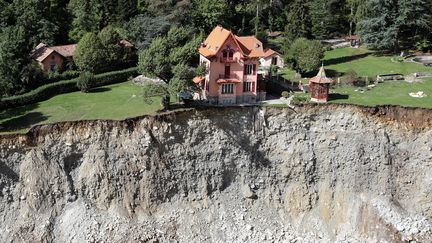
(232, 63)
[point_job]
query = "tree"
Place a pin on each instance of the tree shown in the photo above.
(166, 52)
(328, 18)
(298, 20)
(414, 20)
(89, 55)
(87, 17)
(153, 61)
(85, 81)
(13, 59)
(305, 55)
(182, 80)
(206, 14)
(112, 50)
(34, 17)
(395, 24)
(142, 29)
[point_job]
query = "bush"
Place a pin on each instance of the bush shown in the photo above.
(349, 78)
(85, 81)
(305, 55)
(55, 76)
(66, 86)
(299, 100)
(285, 94)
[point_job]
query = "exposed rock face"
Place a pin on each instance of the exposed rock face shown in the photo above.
(323, 173)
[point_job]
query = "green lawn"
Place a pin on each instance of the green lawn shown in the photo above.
(118, 101)
(366, 63)
(387, 93)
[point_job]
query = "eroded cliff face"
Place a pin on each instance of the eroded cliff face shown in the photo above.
(320, 173)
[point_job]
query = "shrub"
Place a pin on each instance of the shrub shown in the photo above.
(349, 78)
(285, 94)
(66, 86)
(85, 81)
(55, 76)
(299, 100)
(305, 55)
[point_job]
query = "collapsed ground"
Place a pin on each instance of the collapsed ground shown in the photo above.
(333, 173)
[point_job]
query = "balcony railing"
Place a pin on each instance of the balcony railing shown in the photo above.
(229, 76)
(228, 59)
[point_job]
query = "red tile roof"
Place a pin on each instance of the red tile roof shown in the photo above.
(321, 77)
(66, 50)
(269, 52)
(198, 79)
(42, 51)
(249, 45)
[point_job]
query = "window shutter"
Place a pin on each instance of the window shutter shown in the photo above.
(253, 87)
(245, 68)
(254, 69)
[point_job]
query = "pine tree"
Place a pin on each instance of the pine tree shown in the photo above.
(298, 20)
(328, 18)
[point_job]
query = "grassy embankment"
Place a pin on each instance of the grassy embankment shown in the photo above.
(366, 63)
(118, 101)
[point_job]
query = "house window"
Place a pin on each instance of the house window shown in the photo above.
(247, 86)
(274, 60)
(250, 69)
(227, 88)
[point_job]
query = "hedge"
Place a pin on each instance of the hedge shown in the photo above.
(66, 86)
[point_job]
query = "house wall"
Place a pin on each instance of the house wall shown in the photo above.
(217, 68)
(53, 59)
(266, 62)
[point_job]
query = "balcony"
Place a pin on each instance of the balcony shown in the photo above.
(228, 59)
(230, 76)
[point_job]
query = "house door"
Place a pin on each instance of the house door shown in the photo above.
(227, 71)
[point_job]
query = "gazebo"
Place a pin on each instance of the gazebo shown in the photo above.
(319, 87)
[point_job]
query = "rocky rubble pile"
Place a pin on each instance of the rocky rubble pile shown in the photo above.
(317, 174)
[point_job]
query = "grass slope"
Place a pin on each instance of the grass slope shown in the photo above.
(388, 93)
(365, 63)
(115, 102)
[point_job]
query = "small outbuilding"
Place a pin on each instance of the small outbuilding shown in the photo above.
(319, 87)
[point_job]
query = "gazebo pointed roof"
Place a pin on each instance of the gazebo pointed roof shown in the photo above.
(321, 77)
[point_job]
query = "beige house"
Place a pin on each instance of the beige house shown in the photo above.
(270, 58)
(54, 57)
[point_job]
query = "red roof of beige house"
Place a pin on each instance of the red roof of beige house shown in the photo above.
(42, 51)
(126, 43)
(66, 50)
(321, 77)
(269, 52)
(198, 79)
(249, 45)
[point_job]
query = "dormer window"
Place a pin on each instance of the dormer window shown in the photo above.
(229, 53)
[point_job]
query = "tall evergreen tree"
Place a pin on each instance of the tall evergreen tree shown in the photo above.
(87, 17)
(298, 20)
(328, 18)
(395, 24)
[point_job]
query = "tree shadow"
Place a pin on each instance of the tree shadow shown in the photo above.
(337, 96)
(344, 59)
(329, 73)
(99, 90)
(21, 122)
